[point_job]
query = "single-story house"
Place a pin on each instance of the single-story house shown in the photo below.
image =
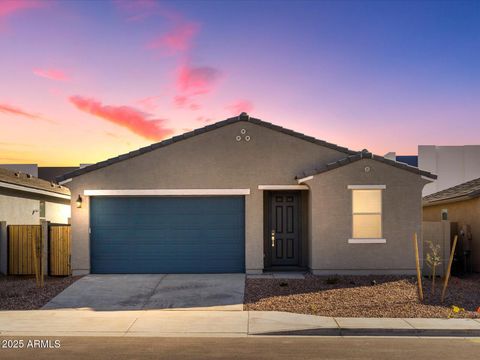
(459, 204)
(25, 199)
(244, 195)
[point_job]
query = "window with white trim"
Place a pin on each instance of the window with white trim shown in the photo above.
(367, 213)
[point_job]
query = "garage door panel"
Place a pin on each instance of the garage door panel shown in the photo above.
(156, 221)
(167, 235)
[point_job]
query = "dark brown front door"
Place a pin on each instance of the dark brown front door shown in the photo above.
(284, 234)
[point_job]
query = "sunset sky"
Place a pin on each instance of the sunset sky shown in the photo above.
(82, 81)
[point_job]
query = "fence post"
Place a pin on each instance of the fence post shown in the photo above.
(3, 248)
(44, 251)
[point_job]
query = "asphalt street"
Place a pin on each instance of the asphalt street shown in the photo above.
(119, 348)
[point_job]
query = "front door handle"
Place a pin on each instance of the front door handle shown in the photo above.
(273, 238)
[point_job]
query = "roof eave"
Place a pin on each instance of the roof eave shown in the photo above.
(453, 199)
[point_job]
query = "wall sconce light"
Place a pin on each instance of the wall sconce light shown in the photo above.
(79, 202)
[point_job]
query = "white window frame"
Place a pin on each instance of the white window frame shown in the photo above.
(380, 240)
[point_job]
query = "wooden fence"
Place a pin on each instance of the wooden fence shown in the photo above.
(22, 239)
(60, 249)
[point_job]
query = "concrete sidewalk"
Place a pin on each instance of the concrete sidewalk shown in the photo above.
(219, 323)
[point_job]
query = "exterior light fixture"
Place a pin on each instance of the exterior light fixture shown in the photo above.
(79, 202)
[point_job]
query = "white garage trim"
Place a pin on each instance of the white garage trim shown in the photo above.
(283, 187)
(167, 192)
(35, 191)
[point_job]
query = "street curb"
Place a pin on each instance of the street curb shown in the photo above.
(375, 332)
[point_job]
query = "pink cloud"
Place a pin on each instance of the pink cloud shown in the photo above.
(178, 40)
(8, 7)
(197, 80)
(136, 121)
(52, 74)
(149, 103)
(182, 101)
(8, 109)
(240, 106)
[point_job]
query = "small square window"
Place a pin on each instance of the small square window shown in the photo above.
(444, 214)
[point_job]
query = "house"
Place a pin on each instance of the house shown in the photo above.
(411, 160)
(453, 165)
(25, 199)
(48, 173)
(459, 204)
(244, 195)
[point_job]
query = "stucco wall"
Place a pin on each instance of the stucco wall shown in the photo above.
(453, 164)
(210, 160)
(17, 210)
(216, 160)
(464, 213)
(331, 224)
(57, 213)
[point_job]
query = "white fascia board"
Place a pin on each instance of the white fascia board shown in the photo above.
(167, 192)
(283, 187)
(367, 187)
(428, 179)
(367, 241)
(34, 191)
(65, 181)
(305, 179)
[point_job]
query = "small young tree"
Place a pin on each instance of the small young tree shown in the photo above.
(433, 260)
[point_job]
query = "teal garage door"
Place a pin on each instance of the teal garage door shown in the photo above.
(148, 235)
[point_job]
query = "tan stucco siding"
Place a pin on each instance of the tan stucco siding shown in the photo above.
(210, 160)
(464, 213)
(331, 220)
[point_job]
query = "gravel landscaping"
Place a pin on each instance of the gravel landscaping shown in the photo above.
(22, 293)
(363, 296)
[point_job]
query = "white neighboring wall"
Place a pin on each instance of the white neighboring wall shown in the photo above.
(22, 211)
(57, 213)
(453, 165)
(19, 211)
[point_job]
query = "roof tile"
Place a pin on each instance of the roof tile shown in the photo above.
(469, 189)
(241, 117)
(365, 154)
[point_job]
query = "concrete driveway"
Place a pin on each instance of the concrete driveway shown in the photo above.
(155, 291)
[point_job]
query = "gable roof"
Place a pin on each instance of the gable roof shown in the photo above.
(465, 191)
(29, 181)
(364, 154)
(241, 117)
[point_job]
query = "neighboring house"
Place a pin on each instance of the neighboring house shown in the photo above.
(25, 199)
(411, 160)
(460, 204)
(453, 165)
(48, 173)
(245, 195)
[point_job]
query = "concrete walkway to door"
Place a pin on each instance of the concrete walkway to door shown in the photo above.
(219, 292)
